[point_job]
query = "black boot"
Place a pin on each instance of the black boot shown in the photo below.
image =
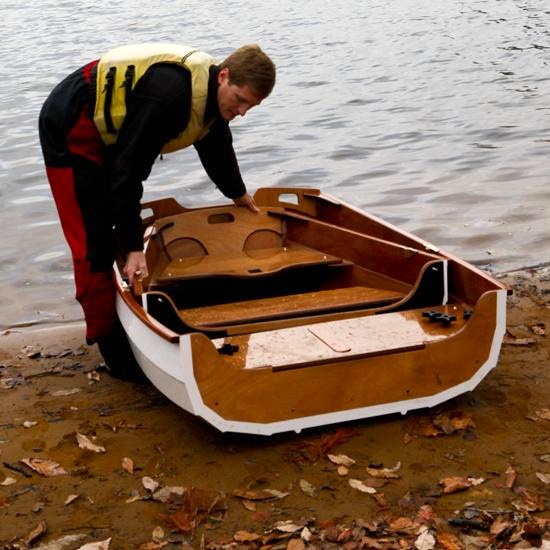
(118, 356)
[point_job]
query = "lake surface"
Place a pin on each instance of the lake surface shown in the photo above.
(432, 115)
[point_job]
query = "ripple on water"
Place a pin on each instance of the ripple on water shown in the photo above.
(47, 256)
(31, 200)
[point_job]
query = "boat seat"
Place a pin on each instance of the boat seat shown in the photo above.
(229, 242)
(216, 318)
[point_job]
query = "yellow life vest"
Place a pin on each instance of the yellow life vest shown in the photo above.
(120, 69)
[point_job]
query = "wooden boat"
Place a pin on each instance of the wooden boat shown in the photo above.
(308, 313)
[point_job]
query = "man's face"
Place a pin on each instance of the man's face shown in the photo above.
(234, 100)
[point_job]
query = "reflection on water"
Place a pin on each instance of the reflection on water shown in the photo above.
(432, 115)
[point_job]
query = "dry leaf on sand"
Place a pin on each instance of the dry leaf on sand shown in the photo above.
(307, 488)
(44, 467)
(101, 545)
(360, 486)
(456, 483)
(341, 460)
(386, 473)
(128, 465)
(86, 443)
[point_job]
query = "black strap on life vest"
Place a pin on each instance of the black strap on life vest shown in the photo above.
(128, 82)
(108, 91)
(184, 58)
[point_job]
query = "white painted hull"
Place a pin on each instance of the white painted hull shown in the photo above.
(169, 367)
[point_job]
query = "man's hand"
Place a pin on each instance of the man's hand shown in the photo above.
(136, 266)
(248, 201)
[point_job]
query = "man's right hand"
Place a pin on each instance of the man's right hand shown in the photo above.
(248, 201)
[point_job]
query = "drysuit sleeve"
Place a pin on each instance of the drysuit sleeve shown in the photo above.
(158, 110)
(219, 159)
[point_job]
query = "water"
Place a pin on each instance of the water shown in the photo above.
(432, 115)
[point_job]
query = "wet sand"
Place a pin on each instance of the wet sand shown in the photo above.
(491, 446)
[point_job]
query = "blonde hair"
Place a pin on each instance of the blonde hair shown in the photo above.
(249, 65)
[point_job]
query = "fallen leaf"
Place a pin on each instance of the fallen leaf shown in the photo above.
(500, 525)
(360, 486)
(43, 466)
(544, 458)
(128, 465)
(455, 483)
(545, 478)
(62, 542)
(306, 534)
(31, 352)
(101, 545)
(262, 494)
(288, 526)
(150, 484)
(94, 376)
(448, 541)
(342, 460)
(321, 446)
(198, 506)
(510, 476)
(71, 498)
(39, 531)
(86, 444)
(530, 501)
(403, 525)
(543, 414)
(307, 488)
(513, 341)
(538, 328)
(425, 541)
(246, 536)
(423, 427)
(64, 393)
(249, 505)
(158, 534)
(8, 481)
(386, 473)
(426, 515)
(453, 421)
(381, 500)
(343, 470)
(165, 494)
(29, 423)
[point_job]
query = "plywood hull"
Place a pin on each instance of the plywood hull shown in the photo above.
(375, 360)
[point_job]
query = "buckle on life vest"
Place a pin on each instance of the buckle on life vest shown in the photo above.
(128, 82)
(108, 91)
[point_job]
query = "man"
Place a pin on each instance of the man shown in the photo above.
(101, 130)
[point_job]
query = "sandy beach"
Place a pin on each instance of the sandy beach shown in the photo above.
(89, 461)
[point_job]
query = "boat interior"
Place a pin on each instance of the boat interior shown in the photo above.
(226, 271)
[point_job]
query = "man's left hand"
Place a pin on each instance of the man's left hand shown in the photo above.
(136, 266)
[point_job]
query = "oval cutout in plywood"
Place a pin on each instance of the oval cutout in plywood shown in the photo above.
(261, 243)
(187, 247)
(221, 217)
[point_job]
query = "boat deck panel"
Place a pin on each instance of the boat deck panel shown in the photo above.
(342, 340)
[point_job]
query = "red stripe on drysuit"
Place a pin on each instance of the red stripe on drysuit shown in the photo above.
(84, 139)
(94, 291)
